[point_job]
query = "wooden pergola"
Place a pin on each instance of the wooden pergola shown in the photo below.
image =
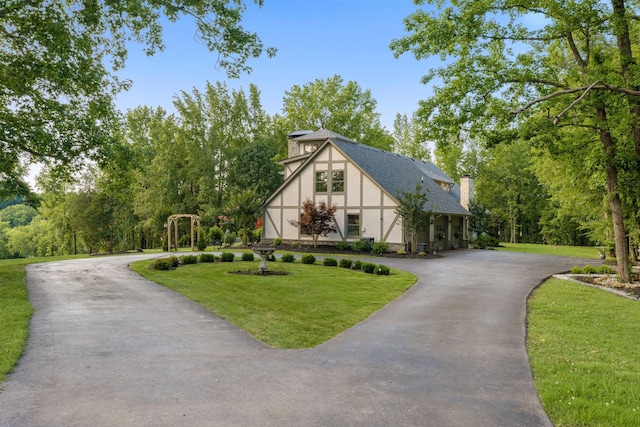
(173, 219)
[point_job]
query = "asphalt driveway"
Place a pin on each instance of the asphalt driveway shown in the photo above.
(109, 348)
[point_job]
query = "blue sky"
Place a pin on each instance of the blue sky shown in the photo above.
(315, 40)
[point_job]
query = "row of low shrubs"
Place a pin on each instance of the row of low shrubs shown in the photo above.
(361, 245)
(174, 262)
(590, 269)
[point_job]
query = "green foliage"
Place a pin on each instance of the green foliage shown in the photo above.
(271, 257)
(345, 263)
(161, 264)
(409, 138)
(241, 214)
(589, 269)
(230, 238)
(247, 256)
(357, 265)
(330, 262)
(604, 269)
(207, 258)
(316, 220)
(202, 245)
(346, 109)
(17, 215)
(308, 259)
(188, 259)
(576, 270)
(227, 257)
(401, 252)
(342, 245)
(382, 270)
(288, 257)
(379, 247)
(60, 62)
(422, 254)
(368, 267)
(216, 234)
(411, 208)
(277, 241)
(361, 245)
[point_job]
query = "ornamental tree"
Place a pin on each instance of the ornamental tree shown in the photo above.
(316, 220)
(411, 208)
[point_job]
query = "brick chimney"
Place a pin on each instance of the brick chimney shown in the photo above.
(467, 191)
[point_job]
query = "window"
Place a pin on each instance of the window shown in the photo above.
(353, 225)
(337, 181)
(321, 182)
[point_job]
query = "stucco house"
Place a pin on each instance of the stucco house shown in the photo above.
(363, 182)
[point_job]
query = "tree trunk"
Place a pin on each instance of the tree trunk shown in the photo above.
(615, 203)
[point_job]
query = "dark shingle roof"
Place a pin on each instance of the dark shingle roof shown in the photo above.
(322, 135)
(396, 174)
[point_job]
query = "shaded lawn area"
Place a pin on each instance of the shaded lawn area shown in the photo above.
(584, 347)
(534, 248)
(305, 308)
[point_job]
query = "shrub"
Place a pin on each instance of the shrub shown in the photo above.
(422, 254)
(379, 247)
(361, 245)
(188, 259)
(589, 269)
(202, 244)
(294, 244)
(576, 270)
(161, 264)
(277, 241)
(401, 252)
(341, 246)
(345, 263)
(288, 257)
(216, 234)
(271, 257)
(382, 270)
(604, 269)
(357, 265)
(207, 258)
(368, 267)
(330, 262)
(247, 256)
(227, 257)
(175, 262)
(308, 259)
(230, 238)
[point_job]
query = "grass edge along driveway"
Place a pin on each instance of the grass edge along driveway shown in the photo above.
(305, 308)
(583, 345)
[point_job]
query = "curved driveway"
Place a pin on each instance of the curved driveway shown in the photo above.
(109, 348)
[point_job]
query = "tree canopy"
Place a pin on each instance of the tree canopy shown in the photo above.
(57, 70)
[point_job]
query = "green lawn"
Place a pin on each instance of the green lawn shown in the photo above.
(584, 345)
(303, 309)
(570, 251)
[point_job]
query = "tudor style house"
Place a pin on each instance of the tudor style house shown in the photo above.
(363, 182)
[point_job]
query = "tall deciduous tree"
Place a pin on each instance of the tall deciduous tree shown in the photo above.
(552, 63)
(58, 61)
(409, 138)
(344, 108)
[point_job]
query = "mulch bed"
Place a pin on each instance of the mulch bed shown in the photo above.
(330, 249)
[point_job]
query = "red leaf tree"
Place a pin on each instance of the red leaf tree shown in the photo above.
(316, 220)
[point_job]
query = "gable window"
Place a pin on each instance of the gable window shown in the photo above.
(337, 181)
(321, 182)
(353, 225)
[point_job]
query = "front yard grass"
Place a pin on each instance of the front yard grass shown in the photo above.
(561, 250)
(583, 344)
(305, 308)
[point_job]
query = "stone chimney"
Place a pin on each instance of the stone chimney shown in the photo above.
(467, 191)
(293, 147)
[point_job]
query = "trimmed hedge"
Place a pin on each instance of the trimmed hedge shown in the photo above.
(345, 263)
(368, 267)
(288, 257)
(308, 259)
(188, 259)
(382, 270)
(330, 262)
(379, 247)
(357, 265)
(162, 264)
(227, 257)
(207, 258)
(247, 256)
